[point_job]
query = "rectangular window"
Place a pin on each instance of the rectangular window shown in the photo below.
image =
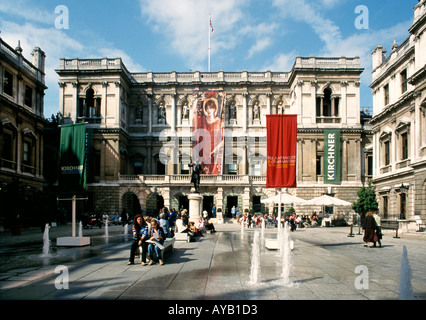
(370, 165)
(404, 145)
(386, 93)
(387, 153)
(8, 83)
(28, 99)
(7, 147)
(319, 163)
(385, 207)
(404, 81)
(184, 169)
(256, 168)
(26, 157)
(137, 167)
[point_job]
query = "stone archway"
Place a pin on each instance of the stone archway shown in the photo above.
(154, 203)
(130, 203)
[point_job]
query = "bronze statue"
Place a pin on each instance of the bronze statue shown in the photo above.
(195, 178)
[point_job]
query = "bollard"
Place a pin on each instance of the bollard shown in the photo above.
(396, 234)
(351, 234)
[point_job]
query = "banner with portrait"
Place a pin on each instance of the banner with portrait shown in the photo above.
(208, 117)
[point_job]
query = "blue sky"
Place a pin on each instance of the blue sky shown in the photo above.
(172, 35)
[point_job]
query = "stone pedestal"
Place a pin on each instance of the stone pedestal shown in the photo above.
(219, 217)
(195, 206)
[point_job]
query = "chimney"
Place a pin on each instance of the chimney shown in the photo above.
(378, 55)
(38, 58)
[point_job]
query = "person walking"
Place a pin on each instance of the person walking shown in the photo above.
(140, 230)
(378, 229)
(369, 229)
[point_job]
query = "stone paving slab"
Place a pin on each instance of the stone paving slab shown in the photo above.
(217, 267)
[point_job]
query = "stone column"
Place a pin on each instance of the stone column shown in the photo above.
(173, 118)
(344, 159)
(245, 118)
(219, 204)
(150, 114)
(104, 102)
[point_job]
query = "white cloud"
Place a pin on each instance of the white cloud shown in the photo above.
(263, 34)
(25, 9)
(309, 13)
(111, 52)
(282, 62)
(185, 25)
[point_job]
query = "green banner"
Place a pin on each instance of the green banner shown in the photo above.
(332, 156)
(72, 153)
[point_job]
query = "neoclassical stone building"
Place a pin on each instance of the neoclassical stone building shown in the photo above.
(141, 129)
(22, 128)
(399, 125)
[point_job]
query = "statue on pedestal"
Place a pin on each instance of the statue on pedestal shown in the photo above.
(195, 178)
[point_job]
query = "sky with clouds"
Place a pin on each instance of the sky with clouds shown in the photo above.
(172, 35)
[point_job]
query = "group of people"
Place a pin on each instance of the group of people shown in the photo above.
(372, 230)
(298, 221)
(146, 233)
(149, 232)
(252, 220)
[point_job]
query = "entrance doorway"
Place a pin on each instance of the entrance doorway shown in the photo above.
(231, 201)
(208, 204)
(183, 203)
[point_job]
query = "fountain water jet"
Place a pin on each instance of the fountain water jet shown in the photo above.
(46, 241)
(80, 229)
(285, 251)
(405, 287)
(106, 228)
(255, 260)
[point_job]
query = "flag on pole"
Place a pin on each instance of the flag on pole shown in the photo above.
(281, 148)
(211, 25)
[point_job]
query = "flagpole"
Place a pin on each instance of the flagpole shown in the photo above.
(209, 39)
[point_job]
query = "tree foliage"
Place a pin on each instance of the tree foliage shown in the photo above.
(366, 200)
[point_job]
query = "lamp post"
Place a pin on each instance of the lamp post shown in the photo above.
(403, 190)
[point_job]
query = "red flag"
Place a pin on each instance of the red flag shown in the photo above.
(281, 147)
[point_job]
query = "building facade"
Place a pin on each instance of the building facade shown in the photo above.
(399, 125)
(21, 133)
(141, 131)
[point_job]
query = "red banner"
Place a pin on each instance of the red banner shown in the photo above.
(281, 139)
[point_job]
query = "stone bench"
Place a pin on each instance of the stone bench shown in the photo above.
(168, 244)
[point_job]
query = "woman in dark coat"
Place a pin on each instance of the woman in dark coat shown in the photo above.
(369, 229)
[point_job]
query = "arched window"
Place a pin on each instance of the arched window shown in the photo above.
(89, 107)
(327, 103)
